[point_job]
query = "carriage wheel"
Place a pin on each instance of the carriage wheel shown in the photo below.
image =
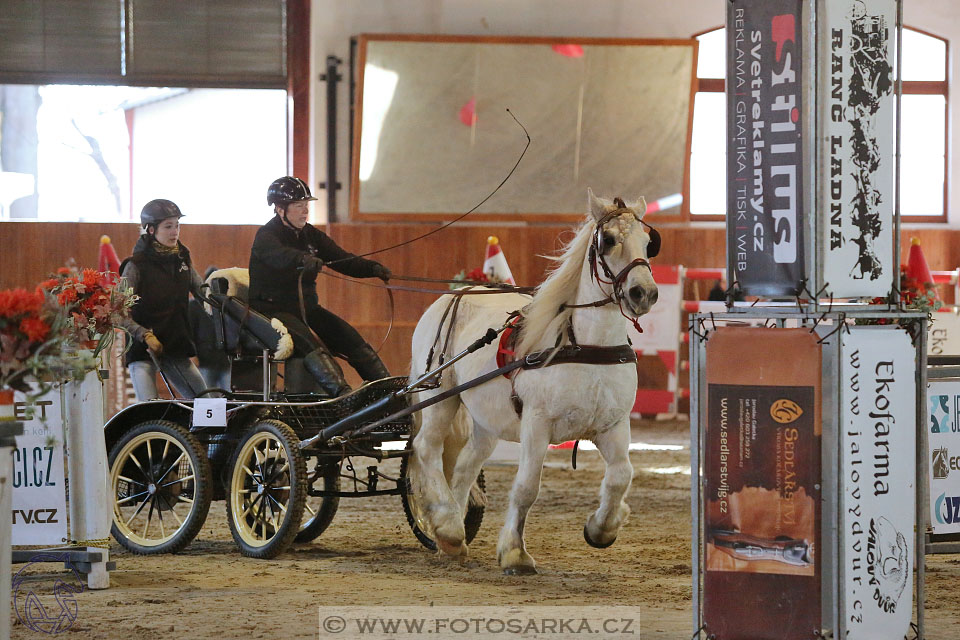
(416, 517)
(161, 485)
(319, 510)
(267, 489)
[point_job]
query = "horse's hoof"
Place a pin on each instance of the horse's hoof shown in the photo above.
(521, 570)
(596, 545)
(457, 550)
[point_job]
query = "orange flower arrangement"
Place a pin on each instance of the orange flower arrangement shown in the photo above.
(94, 306)
(40, 330)
(26, 324)
(475, 276)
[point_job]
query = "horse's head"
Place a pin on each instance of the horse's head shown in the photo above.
(621, 247)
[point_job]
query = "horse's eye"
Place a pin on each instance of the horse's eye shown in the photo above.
(609, 240)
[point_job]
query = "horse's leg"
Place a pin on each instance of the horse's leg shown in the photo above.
(511, 551)
(604, 524)
(428, 480)
(457, 437)
(477, 449)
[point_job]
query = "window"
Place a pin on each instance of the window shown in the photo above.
(106, 105)
(86, 153)
(923, 128)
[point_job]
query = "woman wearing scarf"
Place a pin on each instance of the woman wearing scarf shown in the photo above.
(161, 273)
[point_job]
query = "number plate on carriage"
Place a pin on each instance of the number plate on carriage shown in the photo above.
(210, 412)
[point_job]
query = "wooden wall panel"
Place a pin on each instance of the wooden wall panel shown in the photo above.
(30, 251)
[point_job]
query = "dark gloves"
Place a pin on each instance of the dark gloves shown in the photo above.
(382, 272)
(312, 263)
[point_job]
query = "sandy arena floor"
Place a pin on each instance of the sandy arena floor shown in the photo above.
(368, 556)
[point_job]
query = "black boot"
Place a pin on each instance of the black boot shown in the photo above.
(368, 364)
(327, 372)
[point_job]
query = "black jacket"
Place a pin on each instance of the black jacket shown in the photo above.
(164, 282)
(277, 255)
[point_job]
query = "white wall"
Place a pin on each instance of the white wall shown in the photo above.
(333, 22)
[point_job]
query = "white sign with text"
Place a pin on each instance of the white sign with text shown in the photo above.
(37, 473)
(857, 45)
(878, 480)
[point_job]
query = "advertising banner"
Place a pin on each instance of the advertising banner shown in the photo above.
(943, 427)
(944, 336)
(762, 484)
(765, 207)
(857, 112)
(878, 471)
(37, 475)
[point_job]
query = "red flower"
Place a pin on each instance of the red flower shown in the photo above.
(17, 302)
(47, 285)
(90, 277)
(35, 328)
(63, 271)
(477, 275)
(68, 295)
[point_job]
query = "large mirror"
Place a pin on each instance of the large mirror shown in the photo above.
(432, 135)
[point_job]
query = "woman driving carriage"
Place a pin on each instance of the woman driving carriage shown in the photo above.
(286, 256)
(161, 273)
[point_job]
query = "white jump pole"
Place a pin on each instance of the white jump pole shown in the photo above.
(90, 504)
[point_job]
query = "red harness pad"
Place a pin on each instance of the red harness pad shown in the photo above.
(506, 347)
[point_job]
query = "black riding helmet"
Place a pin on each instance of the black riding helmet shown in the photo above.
(156, 211)
(288, 189)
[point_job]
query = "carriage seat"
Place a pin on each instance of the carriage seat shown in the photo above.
(239, 329)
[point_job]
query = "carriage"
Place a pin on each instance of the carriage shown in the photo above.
(277, 454)
(267, 455)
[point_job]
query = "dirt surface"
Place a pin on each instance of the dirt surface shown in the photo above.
(369, 557)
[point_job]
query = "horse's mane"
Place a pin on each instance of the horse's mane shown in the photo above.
(541, 321)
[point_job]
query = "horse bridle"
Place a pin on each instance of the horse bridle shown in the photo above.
(617, 280)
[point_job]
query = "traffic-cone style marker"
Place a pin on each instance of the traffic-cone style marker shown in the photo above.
(495, 264)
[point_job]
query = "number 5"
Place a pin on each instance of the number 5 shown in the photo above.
(209, 413)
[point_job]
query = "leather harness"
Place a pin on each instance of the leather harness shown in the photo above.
(573, 353)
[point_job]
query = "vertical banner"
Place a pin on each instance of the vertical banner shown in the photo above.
(761, 489)
(944, 336)
(878, 452)
(857, 111)
(765, 230)
(37, 474)
(943, 426)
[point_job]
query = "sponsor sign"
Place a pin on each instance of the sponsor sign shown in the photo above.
(37, 474)
(857, 109)
(878, 453)
(765, 234)
(944, 336)
(762, 484)
(943, 428)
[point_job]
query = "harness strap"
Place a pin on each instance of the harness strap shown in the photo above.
(446, 340)
(436, 338)
(583, 354)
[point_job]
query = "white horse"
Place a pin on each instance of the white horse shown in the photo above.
(559, 403)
